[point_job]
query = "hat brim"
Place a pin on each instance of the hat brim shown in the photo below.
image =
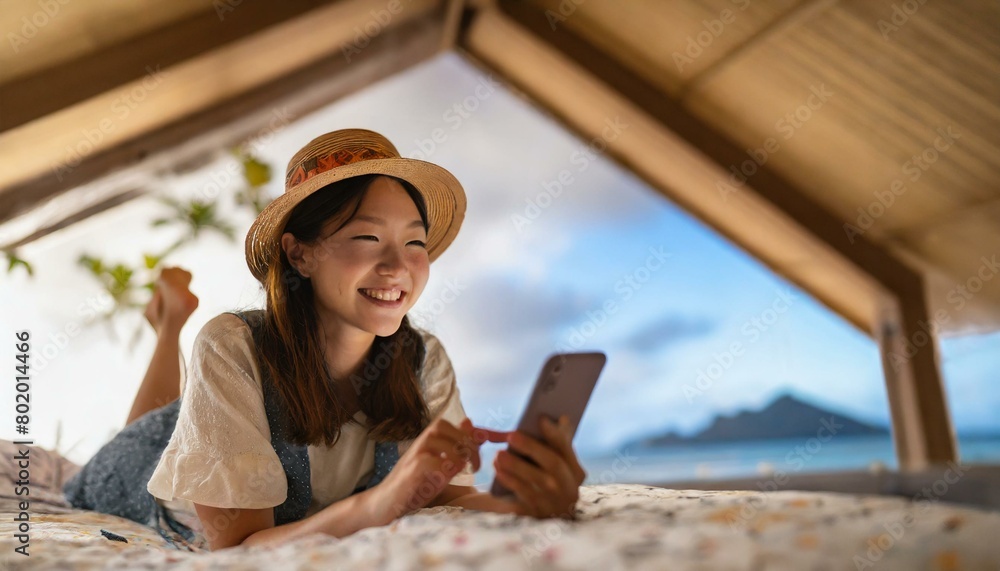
(442, 193)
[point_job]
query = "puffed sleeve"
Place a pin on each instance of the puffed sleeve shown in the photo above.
(441, 394)
(220, 452)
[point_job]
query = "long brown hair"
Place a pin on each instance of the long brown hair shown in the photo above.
(388, 389)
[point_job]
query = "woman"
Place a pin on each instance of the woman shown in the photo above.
(326, 411)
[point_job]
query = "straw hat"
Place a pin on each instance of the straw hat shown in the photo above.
(343, 154)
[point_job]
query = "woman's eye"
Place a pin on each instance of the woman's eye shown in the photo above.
(419, 242)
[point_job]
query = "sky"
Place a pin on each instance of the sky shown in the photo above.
(561, 249)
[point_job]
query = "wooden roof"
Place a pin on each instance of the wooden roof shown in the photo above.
(867, 131)
(880, 120)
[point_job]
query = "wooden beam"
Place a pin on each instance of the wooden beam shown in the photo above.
(767, 182)
(670, 164)
(907, 339)
(27, 98)
(792, 18)
(452, 20)
(493, 34)
(178, 124)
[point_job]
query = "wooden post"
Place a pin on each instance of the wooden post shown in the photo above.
(921, 427)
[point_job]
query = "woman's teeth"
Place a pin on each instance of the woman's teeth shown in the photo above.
(383, 294)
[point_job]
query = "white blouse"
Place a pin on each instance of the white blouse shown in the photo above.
(220, 452)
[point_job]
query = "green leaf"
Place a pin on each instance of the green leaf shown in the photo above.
(93, 264)
(15, 261)
(255, 172)
(121, 276)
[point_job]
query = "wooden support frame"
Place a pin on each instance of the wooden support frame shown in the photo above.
(907, 339)
(513, 37)
(188, 134)
(27, 98)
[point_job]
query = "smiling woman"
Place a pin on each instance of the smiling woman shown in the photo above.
(326, 411)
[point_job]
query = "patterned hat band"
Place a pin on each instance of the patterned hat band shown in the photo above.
(315, 165)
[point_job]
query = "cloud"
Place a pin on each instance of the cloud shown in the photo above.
(667, 331)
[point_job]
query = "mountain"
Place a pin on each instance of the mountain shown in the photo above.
(786, 417)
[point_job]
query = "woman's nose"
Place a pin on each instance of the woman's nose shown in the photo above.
(391, 262)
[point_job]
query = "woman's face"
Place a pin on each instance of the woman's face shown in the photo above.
(381, 252)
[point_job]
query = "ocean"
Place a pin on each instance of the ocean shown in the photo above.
(749, 459)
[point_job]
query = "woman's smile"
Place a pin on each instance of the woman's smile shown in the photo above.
(386, 297)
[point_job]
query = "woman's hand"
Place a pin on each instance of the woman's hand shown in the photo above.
(551, 488)
(439, 453)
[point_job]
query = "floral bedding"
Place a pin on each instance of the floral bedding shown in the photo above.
(619, 526)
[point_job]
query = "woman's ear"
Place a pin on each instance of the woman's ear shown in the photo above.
(297, 254)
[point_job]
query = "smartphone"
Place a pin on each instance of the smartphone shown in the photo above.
(563, 387)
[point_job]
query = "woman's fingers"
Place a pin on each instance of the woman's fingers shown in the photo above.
(559, 436)
(551, 487)
(552, 474)
(546, 481)
(547, 458)
(475, 441)
(445, 428)
(467, 443)
(530, 494)
(435, 457)
(486, 435)
(440, 447)
(459, 441)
